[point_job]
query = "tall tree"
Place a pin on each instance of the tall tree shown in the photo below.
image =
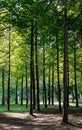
(49, 84)
(58, 79)
(37, 72)
(26, 85)
(68, 83)
(65, 76)
(33, 73)
(31, 68)
(8, 92)
(44, 84)
(75, 81)
(22, 90)
(52, 85)
(16, 98)
(3, 94)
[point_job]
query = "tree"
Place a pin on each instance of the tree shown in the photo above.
(44, 84)
(65, 79)
(49, 84)
(75, 81)
(26, 86)
(31, 69)
(3, 94)
(16, 99)
(37, 72)
(8, 93)
(58, 79)
(22, 90)
(52, 85)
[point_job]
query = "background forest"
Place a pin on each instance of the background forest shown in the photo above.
(32, 52)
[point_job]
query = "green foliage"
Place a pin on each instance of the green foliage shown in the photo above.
(16, 15)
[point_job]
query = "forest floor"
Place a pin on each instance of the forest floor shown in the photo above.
(39, 121)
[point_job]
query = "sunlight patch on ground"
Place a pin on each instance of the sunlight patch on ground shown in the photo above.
(9, 127)
(43, 120)
(39, 121)
(16, 115)
(37, 129)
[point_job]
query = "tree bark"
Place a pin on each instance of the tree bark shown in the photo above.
(37, 72)
(68, 83)
(44, 84)
(3, 94)
(26, 87)
(49, 85)
(65, 105)
(31, 69)
(75, 80)
(8, 93)
(58, 78)
(34, 98)
(22, 91)
(52, 85)
(16, 99)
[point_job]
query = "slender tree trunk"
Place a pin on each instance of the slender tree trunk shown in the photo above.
(65, 105)
(22, 91)
(31, 69)
(34, 98)
(33, 73)
(52, 85)
(44, 84)
(58, 79)
(73, 94)
(26, 87)
(3, 95)
(8, 93)
(49, 86)
(16, 99)
(37, 72)
(68, 84)
(75, 80)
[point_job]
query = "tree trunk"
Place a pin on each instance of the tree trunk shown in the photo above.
(44, 84)
(58, 79)
(33, 73)
(16, 99)
(65, 105)
(73, 94)
(26, 87)
(49, 86)
(3, 95)
(22, 91)
(8, 93)
(31, 69)
(34, 98)
(52, 85)
(75, 81)
(68, 84)
(37, 72)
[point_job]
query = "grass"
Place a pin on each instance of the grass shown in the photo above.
(80, 101)
(14, 108)
(74, 109)
(50, 109)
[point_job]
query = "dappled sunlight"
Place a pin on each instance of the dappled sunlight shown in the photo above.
(45, 119)
(9, 127)
(76, 120)
(39, 121)
(15, 115)
(37, 129)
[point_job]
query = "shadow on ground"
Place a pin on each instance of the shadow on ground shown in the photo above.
(40, 121)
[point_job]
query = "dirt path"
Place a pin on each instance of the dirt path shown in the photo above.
(23, 121)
